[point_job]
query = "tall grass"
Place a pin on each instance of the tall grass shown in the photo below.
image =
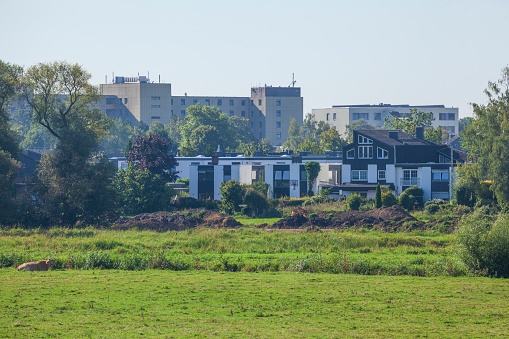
(245, 249)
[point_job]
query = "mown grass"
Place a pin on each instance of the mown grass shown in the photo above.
(245, 249)
(157, 304)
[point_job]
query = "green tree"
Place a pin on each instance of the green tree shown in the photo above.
(118, 137)
(464, 123)
(435, 135)
(314, 128)
(68, 186)
(231, 195)
(203, 137)
(378, 196)
(331, 140)
(312, 171)
(409, 123)
(354, 202)
(357, 125)
(141, 191)
(487, 138)
(37, 137)
(310, 146)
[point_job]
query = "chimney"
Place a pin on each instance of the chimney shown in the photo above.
(393, 135)
(419, 132)
(215, 160)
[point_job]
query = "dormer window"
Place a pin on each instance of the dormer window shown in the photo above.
(350, 154)
(382, 153)
(363, 140)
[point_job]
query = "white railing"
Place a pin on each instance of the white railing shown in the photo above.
(410, 182)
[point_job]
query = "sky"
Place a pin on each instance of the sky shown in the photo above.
(341, 52)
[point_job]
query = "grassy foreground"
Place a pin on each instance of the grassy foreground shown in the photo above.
(168, 304)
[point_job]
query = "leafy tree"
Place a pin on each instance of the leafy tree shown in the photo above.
(409, 123)
(241, 131)
(435, 135)
(173, 131)
(310, 146)
(388, 199)
(314, 128)
(331, 140)
(256, 202)
(249, 149)
(487, 138)
(141, 191)
(378, 196)
(231, 195)
(312, 171)
(37, 137)
(158, 128)
(261, 187)
(464, 123)
(294, 136)
(118, 137)
(358, 124)
(9, 166)
(418, 195)
(406, 201)
(203, 137)
(151, 152)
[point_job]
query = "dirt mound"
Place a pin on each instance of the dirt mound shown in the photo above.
(391, 219)
(166, 221)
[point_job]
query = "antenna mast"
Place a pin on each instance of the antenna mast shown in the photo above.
(292, 84)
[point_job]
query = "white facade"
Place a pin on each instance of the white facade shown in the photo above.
(341, 116)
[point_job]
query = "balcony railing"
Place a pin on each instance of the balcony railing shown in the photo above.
(410, 182)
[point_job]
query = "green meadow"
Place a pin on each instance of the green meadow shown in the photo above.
(169, 304)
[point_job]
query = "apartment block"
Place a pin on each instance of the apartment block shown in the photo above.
(341, 115)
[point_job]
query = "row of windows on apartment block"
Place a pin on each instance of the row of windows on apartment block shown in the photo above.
(409, 176)
(378, 116)
(112, 101)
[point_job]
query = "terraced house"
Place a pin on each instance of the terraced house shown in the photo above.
(398, 160)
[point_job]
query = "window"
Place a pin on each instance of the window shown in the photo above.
(110, 101)
(182, 112)
(410, 178)
(447, 116)
(381, 153)
(182, 101)
(381, 175)
(207, 102)
(243, 113)
(232, 112)
(259, 102)
(334, 116)
(155, 117)
(155, 98)
(231, 102)
(278, 135)
(155, 106)
(350, 154)
(440, 175)
(442, 159)
(359, 175)
(363, 140)
(278, 113)
(440, 195)
(327, 118)
(378, 116)
(365, 152)
(363, 195)
(358, 116)
(278, 102)
(219, 102)
(243, 102)
(125, 101)
(278, 124)
(195, 101)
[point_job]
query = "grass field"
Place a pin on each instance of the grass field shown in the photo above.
(245, 249)
(167, 304)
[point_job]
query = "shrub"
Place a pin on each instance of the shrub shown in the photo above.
(406, 200)
(418, 195)
(378, 196)
(255, 202)
(354, 201)
(431, 208)
(388, 199)
(484, 248)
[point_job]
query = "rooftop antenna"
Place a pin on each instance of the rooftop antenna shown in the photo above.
(159, 78)
(292, 84)
(148, 76)
(106, 79)
(113, 77)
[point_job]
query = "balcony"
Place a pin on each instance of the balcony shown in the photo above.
(410, 182)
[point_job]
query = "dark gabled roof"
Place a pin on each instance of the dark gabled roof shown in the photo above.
(458, 155)
(453, 139)
(383, 135)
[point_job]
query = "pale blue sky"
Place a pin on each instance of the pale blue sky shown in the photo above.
(342, 52)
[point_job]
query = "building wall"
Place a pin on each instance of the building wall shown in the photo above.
(347, 115)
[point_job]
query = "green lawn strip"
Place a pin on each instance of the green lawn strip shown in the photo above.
(255, 222)
(155, 303)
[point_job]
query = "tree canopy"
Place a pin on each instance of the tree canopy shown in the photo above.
(487, 138)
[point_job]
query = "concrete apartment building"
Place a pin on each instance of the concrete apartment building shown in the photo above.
(341, 115)
(268, 109)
